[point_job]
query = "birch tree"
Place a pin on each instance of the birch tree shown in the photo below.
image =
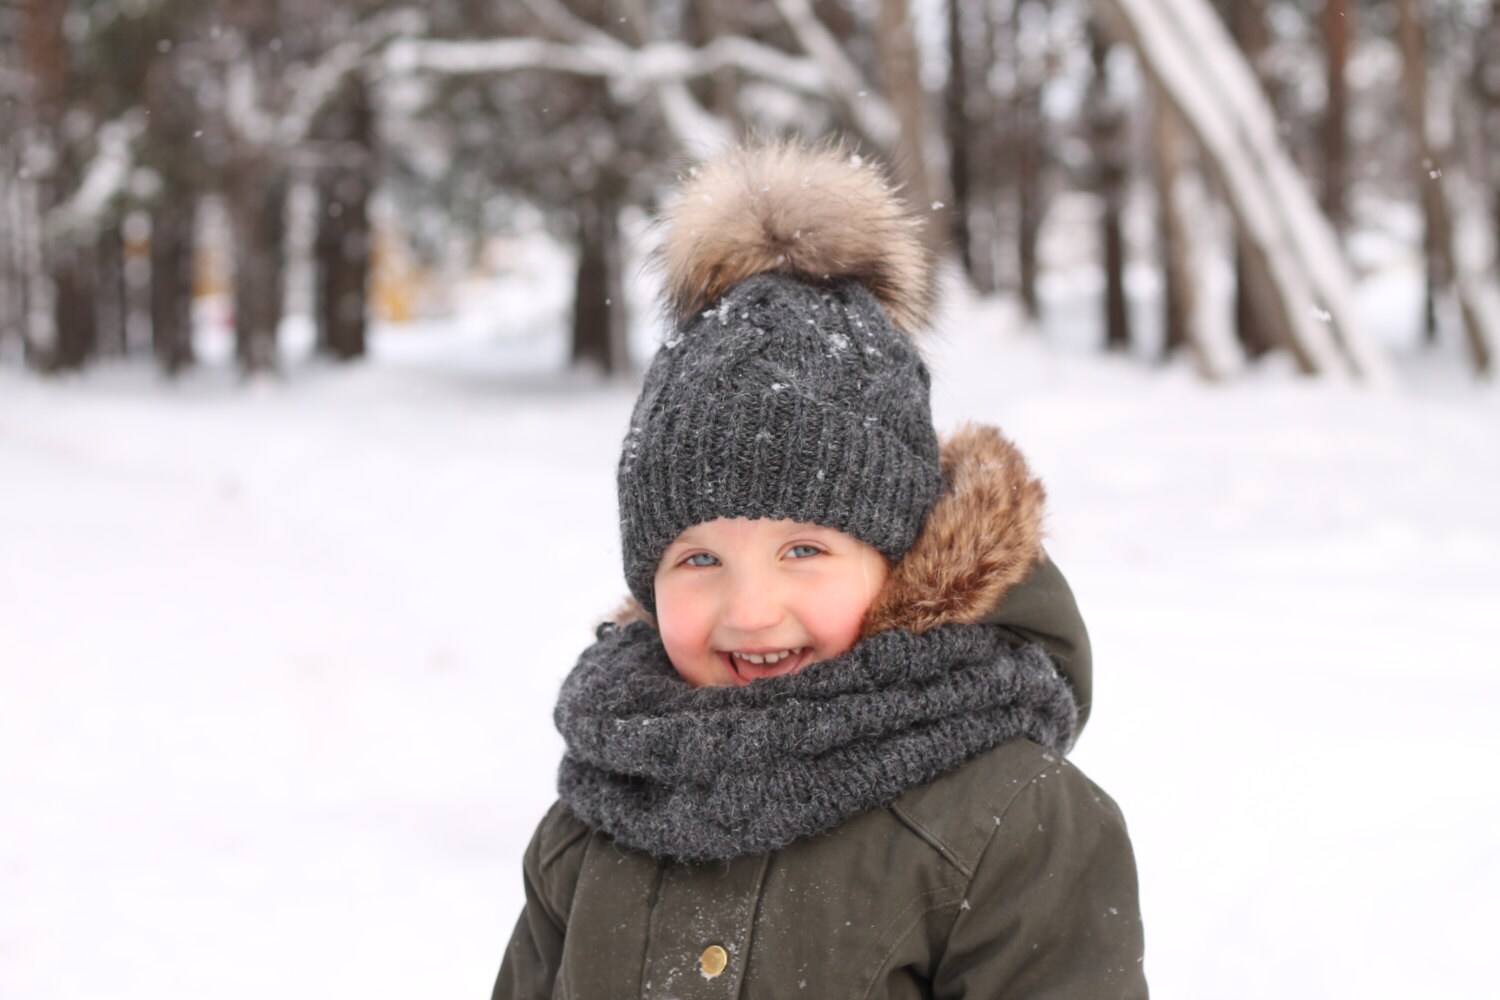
(1307, 289)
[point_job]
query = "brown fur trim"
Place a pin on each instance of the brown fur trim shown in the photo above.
(982, 537)
(631, 611)
(820, 214)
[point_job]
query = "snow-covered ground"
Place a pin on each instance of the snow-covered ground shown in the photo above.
(277, 662)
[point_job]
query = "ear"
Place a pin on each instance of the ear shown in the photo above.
(982, 537)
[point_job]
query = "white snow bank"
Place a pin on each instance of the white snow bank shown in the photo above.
(277, 665)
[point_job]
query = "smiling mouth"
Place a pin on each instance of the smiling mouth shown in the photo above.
(747, 667)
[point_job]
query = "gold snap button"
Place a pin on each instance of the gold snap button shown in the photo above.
(713, 961)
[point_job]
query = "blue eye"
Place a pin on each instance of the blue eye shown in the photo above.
(701, 560)
(804, 551)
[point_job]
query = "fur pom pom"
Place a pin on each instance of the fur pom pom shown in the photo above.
(820, 214)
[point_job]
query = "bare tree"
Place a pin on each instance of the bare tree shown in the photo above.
(1108, 134)
(14, 97)
(1030, 142)
(168, 150)
(1487, 87)
(49, 264)
(1337, 30)
(345, 134)
(917, 154)
(1257, 333)
(1302, 284)
(990, 174)
(1189, 319)
(957, 122)
(1448, 203)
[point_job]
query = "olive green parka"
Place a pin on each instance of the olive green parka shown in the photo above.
(1010, 877)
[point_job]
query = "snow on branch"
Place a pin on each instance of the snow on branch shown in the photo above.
(872, 115)
(662, 66)
(320, 85)
(654, 63)
(104, 179)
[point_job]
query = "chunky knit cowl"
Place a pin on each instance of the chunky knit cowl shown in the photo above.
(708, 774)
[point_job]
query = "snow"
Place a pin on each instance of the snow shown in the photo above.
(277, 662)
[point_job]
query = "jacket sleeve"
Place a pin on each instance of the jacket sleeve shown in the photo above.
(1042, 609)
(529, 967)
(1052, 911)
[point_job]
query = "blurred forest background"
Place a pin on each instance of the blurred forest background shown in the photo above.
(160, 151)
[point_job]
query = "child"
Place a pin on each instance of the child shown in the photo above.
(822, 754)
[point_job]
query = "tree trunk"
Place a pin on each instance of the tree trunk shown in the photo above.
(1257, 332)
(1191, 321)
(1172, 237)
(113, 301)
(170, 129)
(1487, 70)
(38, 319)
(343, 243)
(958, 123)
(900, 66)
(73, 275)
(44, 49)
(257, 212)
(1412, 38)
(599, 316)
(12, 274)
(708, 20)
(1337, 30)
(171, 293)
(1487, 88)
(1029, 138)
(988, 171)
(1451, 260)
(1107, 133)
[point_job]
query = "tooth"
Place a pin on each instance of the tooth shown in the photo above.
(752, 658)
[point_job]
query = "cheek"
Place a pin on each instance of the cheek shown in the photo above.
(837, 615)
(684, 620)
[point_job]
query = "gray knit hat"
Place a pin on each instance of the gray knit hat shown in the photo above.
(787, 390)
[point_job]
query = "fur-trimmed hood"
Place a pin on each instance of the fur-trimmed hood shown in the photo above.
(982, 537)
(979, 550)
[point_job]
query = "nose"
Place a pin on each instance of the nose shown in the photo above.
(752, 604)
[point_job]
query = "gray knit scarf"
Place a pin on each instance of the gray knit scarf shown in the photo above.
(701, 774)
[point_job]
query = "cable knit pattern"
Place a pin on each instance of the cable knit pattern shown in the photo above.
(789, 400)
(704, 774)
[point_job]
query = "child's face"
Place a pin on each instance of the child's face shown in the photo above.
(729, 590)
